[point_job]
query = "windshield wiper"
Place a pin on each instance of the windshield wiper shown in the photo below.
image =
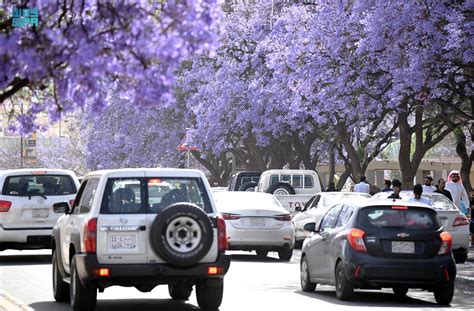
(37, 195)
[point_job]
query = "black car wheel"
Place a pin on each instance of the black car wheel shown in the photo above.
(305, 281)
(444, 295)
(209, 293)
(82, 297)
(400, 291)
(60, 288)
(248, 186)
(281, 188)
(262, 253)
(344, 289)
(180, 291)
(298, 244)
(460, 258)
(181, 234)
(285, 254)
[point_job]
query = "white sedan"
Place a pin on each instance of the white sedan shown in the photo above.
(256, 222)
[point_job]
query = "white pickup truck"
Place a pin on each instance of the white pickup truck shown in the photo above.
(293, 188)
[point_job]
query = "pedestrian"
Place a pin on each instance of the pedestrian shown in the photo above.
(428, 186)
(332, 187)
(417, 192)
(396, 187)
(458, 193)
(388, 185)
(362, 186)
(442, 189)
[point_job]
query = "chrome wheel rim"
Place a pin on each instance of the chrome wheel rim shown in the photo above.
(304, 273)
(183, 234)
(73, 284)
(339, 280)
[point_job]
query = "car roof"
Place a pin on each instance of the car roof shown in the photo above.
(159, 172)
(32, 170)
(289, 171)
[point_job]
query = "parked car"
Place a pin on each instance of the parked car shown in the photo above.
(244, 181)
(293, 188)
(379, 244)
(452, 219)
(256, 221)
(116, 233)
(317, 206)
(26, 205)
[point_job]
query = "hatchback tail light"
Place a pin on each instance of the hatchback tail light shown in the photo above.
(90, 236)
(446, 243)
(283, 217)
(460, 221)
(230, 216)
(221, 234)
(5, 206)
(356, 240)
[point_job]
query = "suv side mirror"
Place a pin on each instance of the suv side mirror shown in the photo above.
(311, 227)
(61, 208)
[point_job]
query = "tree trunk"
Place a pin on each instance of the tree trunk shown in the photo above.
(466, 158)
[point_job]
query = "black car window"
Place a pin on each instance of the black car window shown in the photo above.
(344, 216)
(329, 219)
(88, 196)
(77, 199)
(308, 204)
(297, 181)
(308, 181)
(316, 201)
(39, 184)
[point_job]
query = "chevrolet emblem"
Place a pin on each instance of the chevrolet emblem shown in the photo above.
(403, 235)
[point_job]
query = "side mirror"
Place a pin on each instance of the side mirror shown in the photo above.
(311, 227)
(61, 208)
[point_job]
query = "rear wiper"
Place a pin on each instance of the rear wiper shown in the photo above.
(37, 195)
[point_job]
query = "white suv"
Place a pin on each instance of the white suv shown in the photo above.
(26, 205)
(141, 228)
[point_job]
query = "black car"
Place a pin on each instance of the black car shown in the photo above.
(379, 244)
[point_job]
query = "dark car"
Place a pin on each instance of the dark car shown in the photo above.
(379, 244)
(244, 181)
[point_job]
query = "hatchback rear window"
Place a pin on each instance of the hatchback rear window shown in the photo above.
(402, 217)
(44, 185)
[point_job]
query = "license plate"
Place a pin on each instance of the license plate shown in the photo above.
(40, 213)
(257, 222)
(122, 242)
(403, 247)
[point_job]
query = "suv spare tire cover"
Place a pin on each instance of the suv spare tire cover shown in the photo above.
(181, 234)
(248, 185)
(281, 185)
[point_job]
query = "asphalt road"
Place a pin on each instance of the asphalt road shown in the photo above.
(251, 284)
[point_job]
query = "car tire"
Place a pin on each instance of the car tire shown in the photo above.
(444, 295)
(298, 244)
(285, 254)
(460, 257)
(248, 186)
(209, 293)
(175, 220)
(305, 281)
(400, 291)
(261, 253)
(180, 291)
(281, 188)
(82, 297)
(344, 288)
(60, 288)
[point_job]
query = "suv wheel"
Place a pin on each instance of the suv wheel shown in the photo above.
(180, 291)
(460, 258)
(82, 297)
(344, 289)
(285, 254)
(209, 293)
(305, 281)
(444, 295)
(60, 288)
(248, 186)
(281, 188)
(181, 234)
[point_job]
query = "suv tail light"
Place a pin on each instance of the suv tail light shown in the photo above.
(356, 240)
(446, 243)
(90, 236)
(229, 216)
(5, 206)
(221, 234)
(284, 217)
(460, 221)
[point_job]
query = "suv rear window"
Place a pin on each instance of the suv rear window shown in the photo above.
(44, 185)
(150, 195)
(398, 217)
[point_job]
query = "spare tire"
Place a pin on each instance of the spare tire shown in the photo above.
(281, 188)
(181, 234)
(248, 186)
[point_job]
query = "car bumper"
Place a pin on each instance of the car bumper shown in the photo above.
(461, 239)
(271, 238)
(23, 235)
(88, 271)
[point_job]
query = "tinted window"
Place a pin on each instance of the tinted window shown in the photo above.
(297, 181)
(344, 216)
(393, 217)
(330, 218)
(308, 181)
(48, 185)
(77, 199)
(88, 195)
(286, 178)
(274, 179)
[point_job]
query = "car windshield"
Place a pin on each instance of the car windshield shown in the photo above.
(39, 185)
(400, 217)
(336, 197)
(229, 201)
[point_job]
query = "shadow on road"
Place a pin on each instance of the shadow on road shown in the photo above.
(255, 258)
(121, 304)
(23, 260)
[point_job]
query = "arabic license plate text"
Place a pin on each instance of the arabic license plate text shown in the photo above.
(257, 222)
(40, 213)
(122, 242)
(403, 247)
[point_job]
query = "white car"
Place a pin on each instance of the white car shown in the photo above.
(256, 221)
(26, 205)
(317, 206)
(452, 219)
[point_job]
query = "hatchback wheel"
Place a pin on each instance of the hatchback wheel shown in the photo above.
(305, 281)
(344, 289)
(60, 288)
(460, 258)
(180, 291)
(82, 297)
(285, 254)
(444, 295)
(209, 293)
(400, 291)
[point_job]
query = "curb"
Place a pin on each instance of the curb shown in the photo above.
(8, 303)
